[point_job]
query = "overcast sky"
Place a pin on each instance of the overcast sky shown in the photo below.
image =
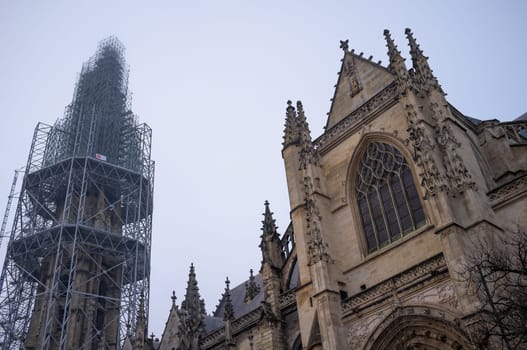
(212, 79)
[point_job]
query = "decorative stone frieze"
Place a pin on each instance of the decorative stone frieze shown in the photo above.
(509, 190)
(287, 299)
(442, 294)
(385, 97)
(385, 289)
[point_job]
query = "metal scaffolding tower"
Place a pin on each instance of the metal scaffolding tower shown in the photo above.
(77, 267)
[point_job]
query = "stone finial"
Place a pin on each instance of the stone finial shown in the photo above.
(173, 297)
(290, 107)
(291, 135)
(344, 45)
(415, 50)
(269, 227)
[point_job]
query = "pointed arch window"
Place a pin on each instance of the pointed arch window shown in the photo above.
(387, 198)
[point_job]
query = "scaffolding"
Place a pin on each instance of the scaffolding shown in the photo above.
(77, 265)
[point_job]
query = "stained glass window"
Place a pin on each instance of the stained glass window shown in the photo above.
(388, 201)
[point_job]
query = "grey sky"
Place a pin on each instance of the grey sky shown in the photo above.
(212, 77)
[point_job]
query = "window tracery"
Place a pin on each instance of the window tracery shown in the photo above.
(387, 198)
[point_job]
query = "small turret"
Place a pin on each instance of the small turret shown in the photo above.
(270, 244)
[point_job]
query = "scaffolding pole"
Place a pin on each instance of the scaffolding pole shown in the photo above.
(8, 206)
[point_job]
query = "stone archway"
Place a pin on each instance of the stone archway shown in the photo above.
(419, 328)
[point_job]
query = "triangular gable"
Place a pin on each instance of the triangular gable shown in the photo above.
(358, 81)
(170, 338)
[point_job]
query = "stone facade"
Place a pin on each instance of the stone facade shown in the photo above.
(386, 206)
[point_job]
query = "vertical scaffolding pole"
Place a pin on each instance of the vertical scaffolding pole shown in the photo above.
(8, 206)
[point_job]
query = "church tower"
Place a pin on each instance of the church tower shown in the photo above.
(76, 272)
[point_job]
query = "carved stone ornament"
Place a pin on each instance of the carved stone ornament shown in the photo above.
(517, 186)
(423, 148)
(457, 176)
(308, 152)
(385, 289)
(316, 245)
(352, 76)
(442, 294)
(442, 169)
(360, 331)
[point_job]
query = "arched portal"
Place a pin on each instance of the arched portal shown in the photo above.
(419, 328)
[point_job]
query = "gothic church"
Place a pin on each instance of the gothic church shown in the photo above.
(385, 208)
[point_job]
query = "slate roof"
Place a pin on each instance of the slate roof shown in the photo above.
(213, 323)
(238, 299)
(521, 117)
(473, 120)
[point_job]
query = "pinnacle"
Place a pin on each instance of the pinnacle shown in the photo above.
(269, 227)
(393, 52)
(396, 65)
(228, 313)
(291, 134)
(299, 107)
(251, 287)
(425, 76)
(415, 50)
(303, 126)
